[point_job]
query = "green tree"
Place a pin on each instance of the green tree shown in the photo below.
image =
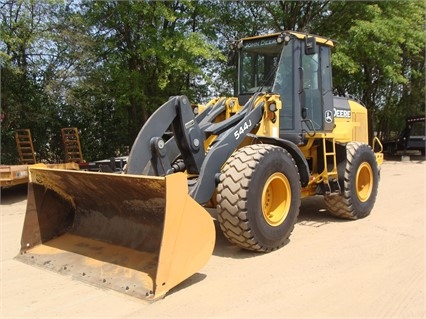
(104, 67)
(296, 15)
(379, 57)
(23, 50)
(147, 51)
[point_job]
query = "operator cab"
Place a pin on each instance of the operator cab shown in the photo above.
(297, 67)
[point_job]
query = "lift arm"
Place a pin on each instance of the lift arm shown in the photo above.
(189, 133)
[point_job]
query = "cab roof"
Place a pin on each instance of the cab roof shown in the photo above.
(298, 35)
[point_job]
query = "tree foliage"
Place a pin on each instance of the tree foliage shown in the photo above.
(25, 52)
(380, 58)
(105, 66)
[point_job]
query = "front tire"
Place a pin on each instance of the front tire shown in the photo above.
(359, 186)
(259, 197)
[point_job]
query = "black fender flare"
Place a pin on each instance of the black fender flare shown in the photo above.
(294, 151)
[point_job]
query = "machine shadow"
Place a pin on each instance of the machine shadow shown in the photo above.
(14, 194)
(194, 279)
(313, 213)
(223, 248)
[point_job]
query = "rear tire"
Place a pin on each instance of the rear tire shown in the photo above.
(259, 197)
(359, 186)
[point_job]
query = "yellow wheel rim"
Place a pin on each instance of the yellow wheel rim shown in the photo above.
(276, 199)
(364, 182)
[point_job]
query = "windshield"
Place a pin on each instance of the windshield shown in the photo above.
(418, 128)
(258, 65)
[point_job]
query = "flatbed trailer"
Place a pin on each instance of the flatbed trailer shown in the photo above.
(12, 175)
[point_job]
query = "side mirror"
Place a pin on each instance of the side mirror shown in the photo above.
(310, 45)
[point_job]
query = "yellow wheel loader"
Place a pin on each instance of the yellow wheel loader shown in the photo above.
(252, 157)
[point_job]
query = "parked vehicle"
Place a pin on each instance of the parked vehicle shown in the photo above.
(411, 138)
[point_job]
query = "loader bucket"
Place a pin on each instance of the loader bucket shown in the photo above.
(136, 234)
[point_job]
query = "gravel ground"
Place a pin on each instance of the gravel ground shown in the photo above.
(370, 268)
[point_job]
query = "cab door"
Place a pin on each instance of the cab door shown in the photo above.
(316, 92)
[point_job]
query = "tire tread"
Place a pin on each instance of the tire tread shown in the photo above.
(232, 196)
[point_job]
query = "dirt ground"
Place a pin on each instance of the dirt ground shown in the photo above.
(370, 268)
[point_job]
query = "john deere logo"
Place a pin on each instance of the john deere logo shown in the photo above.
(345, 114)
(328, 116)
